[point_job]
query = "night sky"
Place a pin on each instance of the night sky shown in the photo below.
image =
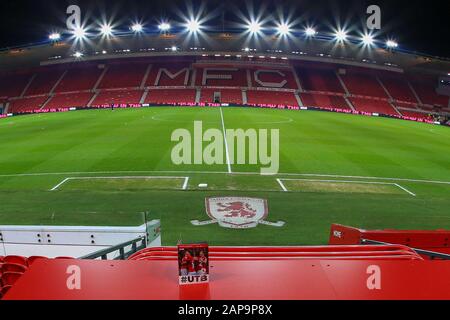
(421, 26)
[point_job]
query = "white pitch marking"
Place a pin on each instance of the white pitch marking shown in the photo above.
(362, 177)
(361, 182)
(186, 183)
(60, 184)
(403, 188)
(282, 185)
(227, 151)
(186, 179)
(217, 172)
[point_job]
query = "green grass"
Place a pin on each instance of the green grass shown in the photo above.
(136, 142)
(303, 185)
(120, 184)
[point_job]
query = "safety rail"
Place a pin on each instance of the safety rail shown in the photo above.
(121, 248)
(376, 252)
(431, 254)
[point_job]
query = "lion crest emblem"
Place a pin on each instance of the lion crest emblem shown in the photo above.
(237, 213)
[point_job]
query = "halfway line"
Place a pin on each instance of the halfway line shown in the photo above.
(226, 142)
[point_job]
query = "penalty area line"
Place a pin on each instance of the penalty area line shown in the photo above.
(186, 183)
(60, 184)
(184, 187)
(406, 190)
(280, 182)
(43, 174)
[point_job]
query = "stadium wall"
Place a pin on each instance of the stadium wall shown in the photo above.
(51, 241)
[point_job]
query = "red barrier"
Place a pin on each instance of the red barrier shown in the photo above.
(437, 241)
(376, 252)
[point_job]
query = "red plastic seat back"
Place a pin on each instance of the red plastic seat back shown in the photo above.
(16, 259)
(4, 290)
(33, 259)
(13, 267)
(10, 278)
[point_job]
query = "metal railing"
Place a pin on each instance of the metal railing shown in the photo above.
(120, 248)
(433, 255)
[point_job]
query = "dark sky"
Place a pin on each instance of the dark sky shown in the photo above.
(421, 26)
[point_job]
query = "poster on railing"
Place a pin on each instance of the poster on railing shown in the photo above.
(193, 264)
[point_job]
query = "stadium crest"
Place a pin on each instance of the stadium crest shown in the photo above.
(237, 213)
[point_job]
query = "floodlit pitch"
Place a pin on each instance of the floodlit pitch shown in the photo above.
(106, 168)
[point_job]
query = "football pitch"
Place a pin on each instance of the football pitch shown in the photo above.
(106, 168)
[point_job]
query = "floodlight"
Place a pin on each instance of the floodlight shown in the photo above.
(78, 54)
(54, 36)
(193, 26)
(137, 27)
(254, 27)
(106, 30)
(79, 33)
(164, 26)
(367, 40)
(341, 35)
(284, 29)
(174, 48)
(310, 32)
(391, 44)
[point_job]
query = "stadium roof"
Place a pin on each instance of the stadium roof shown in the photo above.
(219, 44)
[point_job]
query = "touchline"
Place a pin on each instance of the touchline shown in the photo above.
(230, 146)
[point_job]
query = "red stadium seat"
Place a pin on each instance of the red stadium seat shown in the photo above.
(16, 259)
(12, 267)
(4, 290)
(238, 79)
(178, 80)
(44, 81)
(27, 104)
(65, 258)
(373, 106)
(425, 87)
(12, 85)
(32, 259)
(118, 97)
(227, 96)
(271, 98)
(277, 77)
(69, 100)
(80, 78)
(171, 96)
(362, 83)
(324, 101)
(319, 79)
(398, 88)
(124, 75)
(10, 278)
(158, 75)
